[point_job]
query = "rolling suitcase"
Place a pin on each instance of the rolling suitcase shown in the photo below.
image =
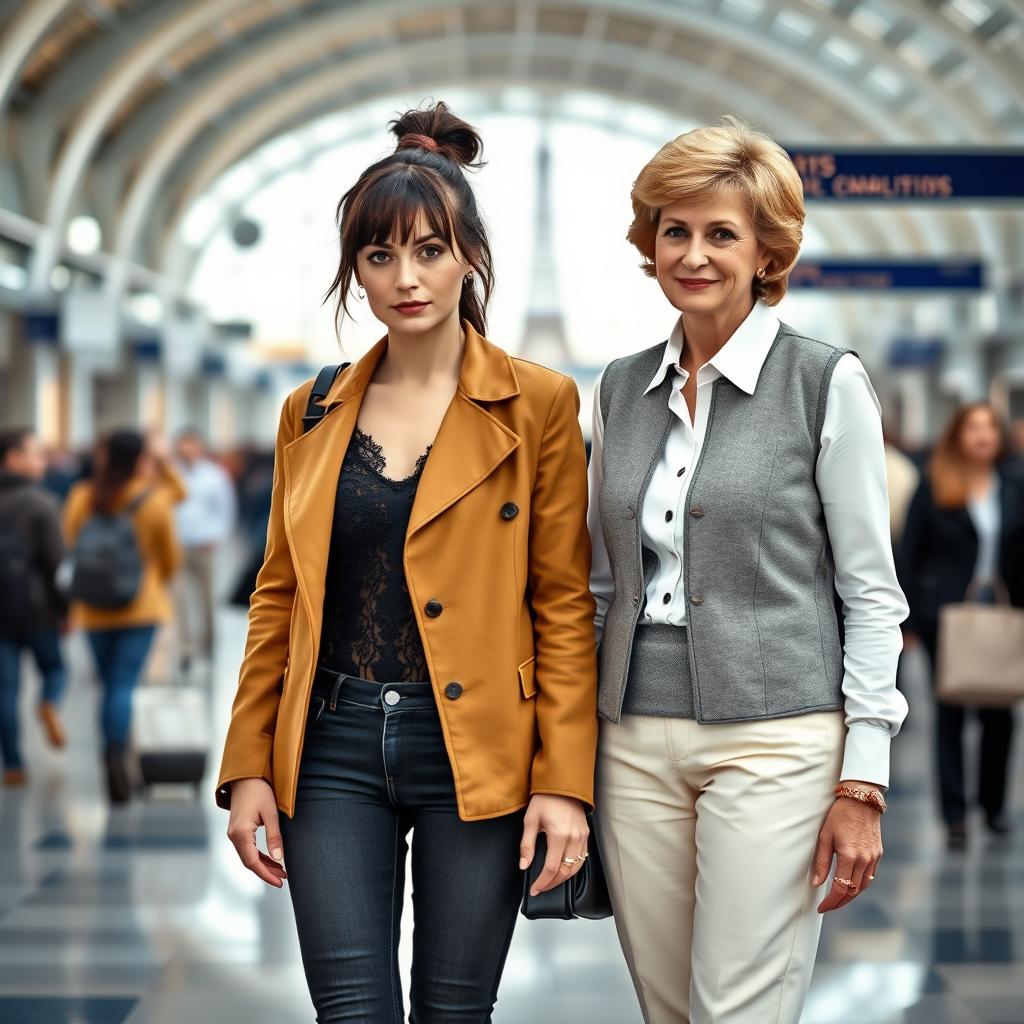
(171, 734)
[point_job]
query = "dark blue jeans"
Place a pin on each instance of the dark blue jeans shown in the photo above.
(45, 647)
(374, 767)
(120, 656)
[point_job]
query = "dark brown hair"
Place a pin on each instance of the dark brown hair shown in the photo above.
(117, 461)
(13, 440)
(946, 466)
(423, 175)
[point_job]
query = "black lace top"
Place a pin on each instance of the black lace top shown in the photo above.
(369, 629)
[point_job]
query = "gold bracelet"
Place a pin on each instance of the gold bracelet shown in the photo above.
(865, 796)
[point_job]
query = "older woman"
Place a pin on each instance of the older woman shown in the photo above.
(737, 480)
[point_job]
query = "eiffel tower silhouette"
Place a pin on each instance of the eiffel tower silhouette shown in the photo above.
(544, 340)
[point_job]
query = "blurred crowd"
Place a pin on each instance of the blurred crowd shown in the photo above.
(140, 534)
(129, 543)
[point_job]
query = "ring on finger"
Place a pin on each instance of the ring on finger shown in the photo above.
(848, 882)
(568, 861)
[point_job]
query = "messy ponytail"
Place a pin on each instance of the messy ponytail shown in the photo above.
(423, 176)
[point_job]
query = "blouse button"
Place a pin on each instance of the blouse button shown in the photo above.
(681, 472)
(666, 599)
(668, 516)
(433, 608)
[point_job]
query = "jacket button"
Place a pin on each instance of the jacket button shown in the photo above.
(632, 512)
(509, 510)
(697, 512)
(433, 608)
(636, 601)
(696, 599)
(453, 691)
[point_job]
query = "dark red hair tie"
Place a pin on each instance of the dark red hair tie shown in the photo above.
(419, 141)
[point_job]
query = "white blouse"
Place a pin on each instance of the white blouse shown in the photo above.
(850, 475)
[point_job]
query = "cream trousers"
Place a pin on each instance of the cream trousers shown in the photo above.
(708, 834)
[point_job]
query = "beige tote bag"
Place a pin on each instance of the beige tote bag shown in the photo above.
(980, 657)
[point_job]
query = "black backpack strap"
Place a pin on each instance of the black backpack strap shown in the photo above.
(135, 504)
(323, 383)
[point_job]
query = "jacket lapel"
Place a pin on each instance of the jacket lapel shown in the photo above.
(470, 444)
(312, 462)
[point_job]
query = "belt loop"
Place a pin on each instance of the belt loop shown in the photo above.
(334, 691)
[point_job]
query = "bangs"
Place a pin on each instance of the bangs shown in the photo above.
(388, 207)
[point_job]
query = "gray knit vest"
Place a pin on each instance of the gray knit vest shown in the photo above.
(763, 636)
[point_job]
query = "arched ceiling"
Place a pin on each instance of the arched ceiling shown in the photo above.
(127, 108)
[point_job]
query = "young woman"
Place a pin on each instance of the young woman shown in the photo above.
(127, 472)
(737, 472)
(421, 650)
(965, 533)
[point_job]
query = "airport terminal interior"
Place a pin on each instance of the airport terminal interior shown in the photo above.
(169, 175)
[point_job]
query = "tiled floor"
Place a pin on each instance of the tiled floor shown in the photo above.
(144, 916)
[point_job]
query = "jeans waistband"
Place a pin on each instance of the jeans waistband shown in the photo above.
(332, 687)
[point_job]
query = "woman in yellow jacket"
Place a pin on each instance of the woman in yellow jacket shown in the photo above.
(420, 653)
(128, 476)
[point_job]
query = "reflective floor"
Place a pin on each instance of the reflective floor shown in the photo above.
(144, 915)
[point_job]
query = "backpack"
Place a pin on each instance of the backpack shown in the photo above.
(324, 380)
(15, 580)
(106, 564)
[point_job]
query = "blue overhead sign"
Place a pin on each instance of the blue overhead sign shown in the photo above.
(910, 175)
(886, 275)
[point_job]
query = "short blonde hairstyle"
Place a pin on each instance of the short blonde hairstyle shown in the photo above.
(693, 167)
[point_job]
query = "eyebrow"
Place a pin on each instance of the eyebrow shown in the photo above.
(415, 241)
(713, 224)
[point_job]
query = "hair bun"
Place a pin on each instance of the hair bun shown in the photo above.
(437, 130)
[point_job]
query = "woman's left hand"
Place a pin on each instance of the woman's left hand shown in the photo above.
(564, 825)
(852, 832)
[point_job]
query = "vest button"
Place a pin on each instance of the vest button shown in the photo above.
(509, 510)
(433, 608)
(696, 599)
(697, 512)
(453, 691)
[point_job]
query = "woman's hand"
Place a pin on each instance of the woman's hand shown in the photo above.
(253, 805)
(853, 833)
(564, 825)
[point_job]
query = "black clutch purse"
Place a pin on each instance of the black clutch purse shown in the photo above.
(585, 894)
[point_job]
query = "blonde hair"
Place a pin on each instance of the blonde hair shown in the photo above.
(699, 163)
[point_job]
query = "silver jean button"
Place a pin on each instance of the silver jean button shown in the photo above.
(392, 697)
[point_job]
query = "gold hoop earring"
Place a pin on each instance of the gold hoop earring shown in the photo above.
(468, 279)
(760, 273)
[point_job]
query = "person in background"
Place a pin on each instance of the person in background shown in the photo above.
(31, 608)
(129, 477)
(204, 520)
(902, 478)
(964, 538)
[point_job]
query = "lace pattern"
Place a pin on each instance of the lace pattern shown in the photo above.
(369, 629)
